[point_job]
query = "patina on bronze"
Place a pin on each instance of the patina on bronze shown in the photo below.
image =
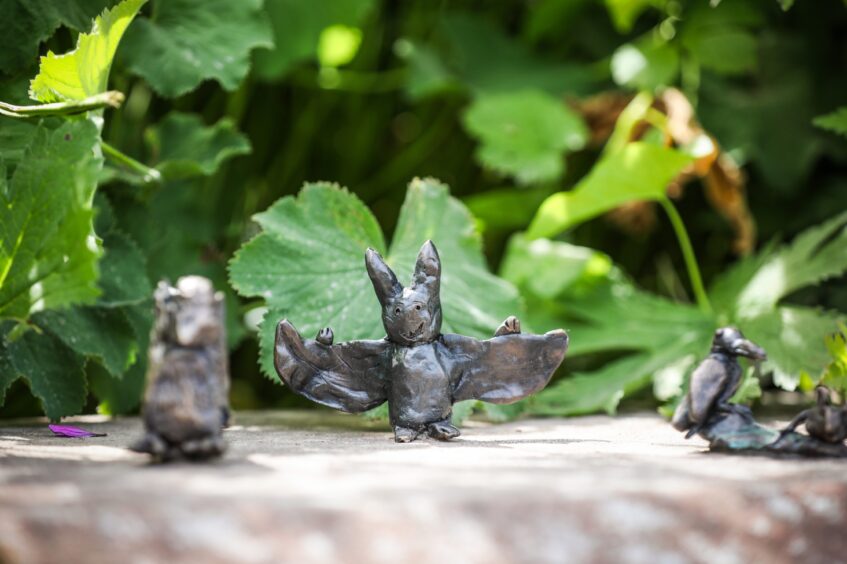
(706, 408)
(417, 369)
(186, 403)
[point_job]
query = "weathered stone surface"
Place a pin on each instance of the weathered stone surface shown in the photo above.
(329, 488)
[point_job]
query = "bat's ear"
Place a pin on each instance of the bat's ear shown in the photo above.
(385, 282)
(428, 269)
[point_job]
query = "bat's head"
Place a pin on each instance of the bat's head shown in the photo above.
(190, 314)
(729, 340)
(410, 315)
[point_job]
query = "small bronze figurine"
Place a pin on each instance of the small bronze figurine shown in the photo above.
(715, 381)
(825, 421)
(417, 369)
(706, 409)
(186, 404)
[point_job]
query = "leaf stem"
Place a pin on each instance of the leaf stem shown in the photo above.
(148, 174)
(688, 255)
(112, 99)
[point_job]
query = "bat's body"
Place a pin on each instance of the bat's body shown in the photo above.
(417, 369)
(415, 373)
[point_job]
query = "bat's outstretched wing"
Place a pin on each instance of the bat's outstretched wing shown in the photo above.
(504, 369)
(349, 376)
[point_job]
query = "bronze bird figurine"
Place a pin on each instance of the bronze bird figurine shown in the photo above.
(715, 381)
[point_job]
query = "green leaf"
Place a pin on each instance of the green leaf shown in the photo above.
(548, 269)
(308, 264)
(815, 255)
(720, 38)
(117, 396)
(794, 338)
(99, 332)
(835, 121)
(27, 23)
(625, 12)
(187, 42)
(123, 272)
(48, 253)
(524, 134)
(728, 50)
(84, 71)
(638, 172)
(605, 312)
(835, 375)
(476, 42)
(123, 395)
(297, 28)
(600, 390)
(185, 147)
(645, 65)
(53, 371)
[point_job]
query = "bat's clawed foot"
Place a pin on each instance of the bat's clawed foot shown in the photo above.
(442, 431)
(511, 326)
(325, 336)
(405, 435)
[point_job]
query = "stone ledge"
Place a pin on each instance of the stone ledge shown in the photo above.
(321, 487)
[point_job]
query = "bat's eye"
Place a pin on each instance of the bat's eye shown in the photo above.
(418, 307)
(397, 310)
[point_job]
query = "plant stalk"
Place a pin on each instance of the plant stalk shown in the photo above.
(112, 99)
(688, 256)
(148, 174)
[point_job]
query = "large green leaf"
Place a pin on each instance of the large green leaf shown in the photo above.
(99, 332)
(26, 23)
(186, 42)
(308, 263)
(524, 134)
(85, 70)
(813, 256)
(48, 254)
(184, 147)
(794, 338)
(640, 171)
(53, 371)
(297, 28)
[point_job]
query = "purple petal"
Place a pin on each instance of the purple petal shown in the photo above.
(68, 431)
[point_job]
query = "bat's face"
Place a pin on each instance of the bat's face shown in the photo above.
(190, 314)
(410, 315)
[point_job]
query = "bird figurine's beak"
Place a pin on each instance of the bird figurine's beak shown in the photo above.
(743, 347)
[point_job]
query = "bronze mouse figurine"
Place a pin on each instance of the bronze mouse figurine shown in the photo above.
(417, 369)
(186, 403)
(715, 381)
(825, 421)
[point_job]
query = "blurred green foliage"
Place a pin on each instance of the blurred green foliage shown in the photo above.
(633, 166)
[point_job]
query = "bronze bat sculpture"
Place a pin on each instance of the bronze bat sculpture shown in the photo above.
(417, 369)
